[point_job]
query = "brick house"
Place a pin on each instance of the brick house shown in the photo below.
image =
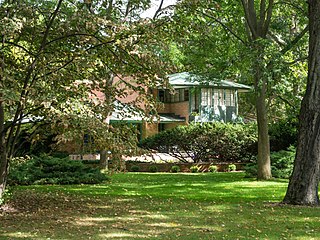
(189, 100)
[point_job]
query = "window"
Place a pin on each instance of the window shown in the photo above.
(179, 95)
(161, 95)
(219, 97)
(161, 127)
(195, 100)
(186, 94)
(207, 97)
(230, 97)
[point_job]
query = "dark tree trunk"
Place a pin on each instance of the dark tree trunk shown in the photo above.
(3, 171)
(3, 154)
(303, 185)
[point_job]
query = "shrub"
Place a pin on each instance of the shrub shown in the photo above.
(283, 134)
(251, 170)
(134, 168)
(153, 168)
(194, 169)
(206, 142)
(213, 168)
(231, 168)
(281, 164)
(175, 169)
(50, 170)
(60, 154)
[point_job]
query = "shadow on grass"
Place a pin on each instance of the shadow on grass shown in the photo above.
(159, 206)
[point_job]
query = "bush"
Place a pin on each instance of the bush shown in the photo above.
(283, 134)
(251, 170)
(175, 169)
(134, 168)
(153, 168)
(281, 164)
(194, 169)
(213, 168)
(206, 142)
(50, 170)
(231, 168)
(60, 154)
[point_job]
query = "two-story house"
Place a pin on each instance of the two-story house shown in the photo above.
(190, 100)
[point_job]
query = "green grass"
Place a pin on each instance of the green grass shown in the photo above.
(159, 206)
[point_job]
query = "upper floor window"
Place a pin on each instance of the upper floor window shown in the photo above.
(179, 95)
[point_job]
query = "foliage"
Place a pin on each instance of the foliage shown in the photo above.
(281, 164)
(251, 170)
(283, 133)
(35, 139)
(229, 46)
(5, 197)
(59, 154)
(175, 169)
(231, 168)
(213, 168)
(135, 168)
(50, 170)
(153, 168)
(206, 142)
(194, 169)
(261, 43)
(66, 64)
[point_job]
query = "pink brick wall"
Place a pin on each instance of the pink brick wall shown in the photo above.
(180, 108)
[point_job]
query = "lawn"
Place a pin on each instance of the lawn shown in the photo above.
(159, 206)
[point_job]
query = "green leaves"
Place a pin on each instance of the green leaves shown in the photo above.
(206, 142)
(62, 62)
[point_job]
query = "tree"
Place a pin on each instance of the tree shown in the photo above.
(245, 39)
(303, 185)
(56, 56)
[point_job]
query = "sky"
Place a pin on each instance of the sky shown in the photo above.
(154, 6)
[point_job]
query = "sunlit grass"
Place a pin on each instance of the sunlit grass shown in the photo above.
(160, 206)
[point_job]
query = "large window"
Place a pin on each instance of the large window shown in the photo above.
(217, 97)
(179, 95)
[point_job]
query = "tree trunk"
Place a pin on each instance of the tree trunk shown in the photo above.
(3, 154)
(103, 159)
(258, 21)
(3, 170)
(260, 85)
(264, 164)
(303, 185)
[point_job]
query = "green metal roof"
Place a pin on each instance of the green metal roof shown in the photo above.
(185, 79)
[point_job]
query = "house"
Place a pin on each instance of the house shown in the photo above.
(189, 100)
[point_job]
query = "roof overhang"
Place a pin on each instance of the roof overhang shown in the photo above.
(187, 80)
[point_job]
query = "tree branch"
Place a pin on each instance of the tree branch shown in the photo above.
(55, 70)
(158, 10)
(295, 41)
(21, 47)
(268, 18)
(262, 15)
(223, 25)
(30, 71)
(251, 17)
